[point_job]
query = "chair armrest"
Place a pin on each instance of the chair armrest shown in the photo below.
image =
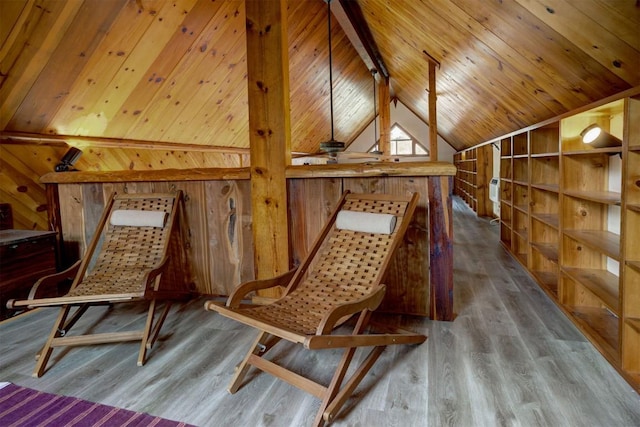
(150, 276)
(43, 287)
(331, 319)
(242, 290)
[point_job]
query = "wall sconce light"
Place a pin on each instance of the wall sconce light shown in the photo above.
(595, 136)
(69, 159)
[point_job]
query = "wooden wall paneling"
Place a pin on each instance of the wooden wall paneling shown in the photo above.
(93, 203)
(218, 240)
(204, 62)
(228, 205)
(571, 22)
(147, 50)
(113, 187)
(203, 91)
(244, 218)
(129, 94)
(409, 76)
(309, 70)
(619, 18)
(179, 273)
(30, 52)
(469, 16)
(72, 222)
(509, 89)
(82, 37)
(19, 187)
(32, 160)
(311, 202)
(408, 274)
(179, 270)
(308, 28)
(364, 185)
(76, 109)
(235, 114)
(16, 13)
(197, 234)
(538, 48)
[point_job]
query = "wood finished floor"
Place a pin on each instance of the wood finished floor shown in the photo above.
(510, 358)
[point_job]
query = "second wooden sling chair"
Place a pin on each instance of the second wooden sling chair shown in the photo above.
(339, 278)
(136, 254)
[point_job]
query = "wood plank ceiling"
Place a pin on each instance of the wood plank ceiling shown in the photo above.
(154, 84)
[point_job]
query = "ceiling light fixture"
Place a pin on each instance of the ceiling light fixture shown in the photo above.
(597, 137)
(68, 160)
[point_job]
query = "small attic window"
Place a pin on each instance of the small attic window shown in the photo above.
(403, 144)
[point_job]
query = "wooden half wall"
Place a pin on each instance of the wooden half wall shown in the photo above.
(219, 221)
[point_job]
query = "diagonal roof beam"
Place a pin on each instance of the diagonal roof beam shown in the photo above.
(350, 17)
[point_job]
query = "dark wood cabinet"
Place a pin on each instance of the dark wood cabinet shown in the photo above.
(25, 256)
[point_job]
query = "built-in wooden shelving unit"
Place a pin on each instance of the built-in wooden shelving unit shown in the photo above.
(474, 173)
(570, 213)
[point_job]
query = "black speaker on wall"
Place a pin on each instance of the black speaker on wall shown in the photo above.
(69, 159)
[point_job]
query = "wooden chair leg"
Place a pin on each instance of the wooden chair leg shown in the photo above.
(349, 387)
(47, 349)
(153, 337)
(258, 346)
(68, 324)
(151, 331)
(334, 387)
(341, 371)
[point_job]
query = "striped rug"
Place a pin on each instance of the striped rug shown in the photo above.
(20, 406)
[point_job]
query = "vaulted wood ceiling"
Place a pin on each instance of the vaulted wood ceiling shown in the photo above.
(154, 84)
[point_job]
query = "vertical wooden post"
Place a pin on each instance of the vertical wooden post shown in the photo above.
(484, 169)
(384, 112)
(441, 247)
(433, 123)
(55, 224)
(270, 133)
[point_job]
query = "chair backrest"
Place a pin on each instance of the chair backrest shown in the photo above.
(126, 252)
(126, 247)
(350, 264)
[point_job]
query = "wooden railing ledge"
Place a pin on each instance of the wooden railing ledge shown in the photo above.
(303, 171)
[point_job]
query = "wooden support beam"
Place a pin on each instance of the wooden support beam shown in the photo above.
(384, 113)
(441, 247)
(351, 19)
(21, 138)
(433, 123)
(269, 134)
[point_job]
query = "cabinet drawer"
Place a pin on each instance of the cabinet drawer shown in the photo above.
(22, 263)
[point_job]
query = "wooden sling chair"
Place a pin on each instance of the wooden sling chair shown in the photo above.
(136, 254)
(340, 277)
